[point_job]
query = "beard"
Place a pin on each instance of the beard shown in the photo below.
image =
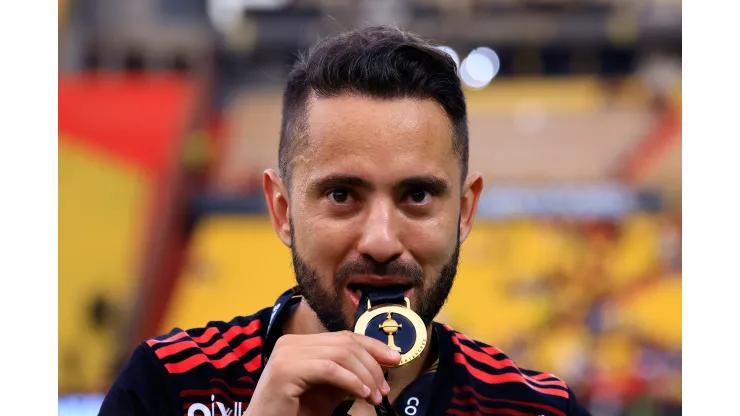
(429, 300)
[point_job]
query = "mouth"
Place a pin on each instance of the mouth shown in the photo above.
(354, 290)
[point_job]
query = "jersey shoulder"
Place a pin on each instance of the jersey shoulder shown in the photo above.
(188, 370)
(215, 346)
(217, 363)
(489, 379)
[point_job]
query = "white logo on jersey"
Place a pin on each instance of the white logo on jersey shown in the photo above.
(217, 408)
(412, 406)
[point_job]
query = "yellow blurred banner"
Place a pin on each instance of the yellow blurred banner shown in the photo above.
(101, 217)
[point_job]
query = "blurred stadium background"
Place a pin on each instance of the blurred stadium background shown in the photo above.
(169, 111)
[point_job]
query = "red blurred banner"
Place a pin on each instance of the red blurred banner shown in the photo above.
(139, 119)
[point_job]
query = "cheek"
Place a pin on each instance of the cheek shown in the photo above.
(322, 244)
(432, 243)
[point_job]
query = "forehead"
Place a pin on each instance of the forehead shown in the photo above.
(377, 139)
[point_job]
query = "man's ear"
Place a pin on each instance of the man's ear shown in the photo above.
(472, 189)
(276, 195)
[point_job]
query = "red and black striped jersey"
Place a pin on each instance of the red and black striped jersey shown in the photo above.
(214, 370)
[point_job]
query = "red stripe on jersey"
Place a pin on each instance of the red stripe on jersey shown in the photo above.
(490, 350)
(505, 378)
(196, 360)
(542, 376)
(500, 364)
(200, 358)
(250, 329)
(462, 413)
(175, 337)
(479, 396)
(247, 345)
(207, 393)
(206, 336)
(235, 390)
(212, 349)
(175, 348)
(255, 364)
(247, 378)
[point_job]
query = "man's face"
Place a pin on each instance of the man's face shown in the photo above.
(376, 199)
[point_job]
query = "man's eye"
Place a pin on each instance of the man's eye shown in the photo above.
(419, 196)
(340, 196)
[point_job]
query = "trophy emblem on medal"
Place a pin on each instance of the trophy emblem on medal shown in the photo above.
(397, 326)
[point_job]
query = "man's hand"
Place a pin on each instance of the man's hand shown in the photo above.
(312, 374)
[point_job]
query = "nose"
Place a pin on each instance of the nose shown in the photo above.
(380, 238)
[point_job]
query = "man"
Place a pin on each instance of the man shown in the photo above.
(374, 199)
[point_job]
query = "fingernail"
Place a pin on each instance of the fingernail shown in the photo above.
(385, 388)
(394, 355)
(378, 396)
(365, 391)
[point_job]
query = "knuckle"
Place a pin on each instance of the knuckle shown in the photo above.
(274, 370)
(329, 368)
(375, 369)
(283, 341)
(280, 366)
(348, 335)
(343, 354)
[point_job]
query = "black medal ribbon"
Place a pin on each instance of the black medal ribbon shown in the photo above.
(379, 296)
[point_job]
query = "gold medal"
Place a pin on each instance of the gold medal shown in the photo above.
(395, 325)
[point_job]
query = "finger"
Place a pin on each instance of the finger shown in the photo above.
(321, 371)
(354, 358)
(372, 366)
(370, 352)
(382, 353)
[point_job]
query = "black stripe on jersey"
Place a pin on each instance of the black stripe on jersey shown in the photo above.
(511, 402)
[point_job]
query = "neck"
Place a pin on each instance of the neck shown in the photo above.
(303, 321)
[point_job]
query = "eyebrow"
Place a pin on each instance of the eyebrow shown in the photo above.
(339, 181)
(434, 184)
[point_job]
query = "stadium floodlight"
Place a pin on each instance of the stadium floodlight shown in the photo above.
(480, 67)
(225, 14)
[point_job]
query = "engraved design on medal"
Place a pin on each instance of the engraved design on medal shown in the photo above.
(390, 327)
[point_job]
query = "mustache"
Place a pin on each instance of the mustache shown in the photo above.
(396, 268)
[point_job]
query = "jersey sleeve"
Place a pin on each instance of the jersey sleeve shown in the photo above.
(141, 389)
